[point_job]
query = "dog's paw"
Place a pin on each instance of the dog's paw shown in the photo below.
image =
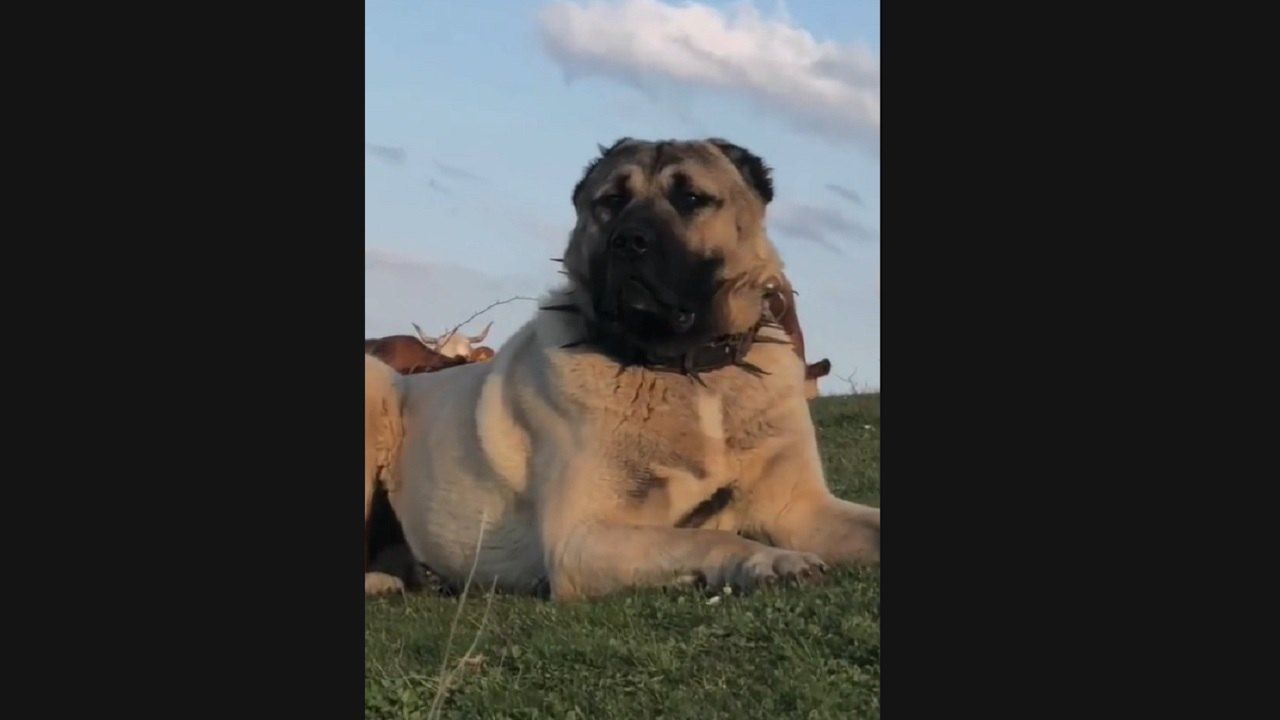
(772, 566)
(376, 583)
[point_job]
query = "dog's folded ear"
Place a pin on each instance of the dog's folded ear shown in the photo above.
(604, 152)
(753, 169)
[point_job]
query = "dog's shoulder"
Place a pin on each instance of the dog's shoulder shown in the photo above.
(757, 407)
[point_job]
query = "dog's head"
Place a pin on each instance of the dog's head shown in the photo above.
(669, 251)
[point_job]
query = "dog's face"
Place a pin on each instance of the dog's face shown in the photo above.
(669, 251)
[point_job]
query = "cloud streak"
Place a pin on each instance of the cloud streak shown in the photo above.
(846, 193)
(456, 173)
(386, 153)
(815, 224)
(822, 87)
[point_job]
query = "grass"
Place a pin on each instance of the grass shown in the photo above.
(791, 652)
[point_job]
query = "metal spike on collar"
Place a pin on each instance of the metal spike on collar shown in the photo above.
(689, 370)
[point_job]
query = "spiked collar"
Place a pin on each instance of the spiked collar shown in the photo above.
(720, 353)
(717, 354)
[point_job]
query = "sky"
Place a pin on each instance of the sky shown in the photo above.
(480, 117)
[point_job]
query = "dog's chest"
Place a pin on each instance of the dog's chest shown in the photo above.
(678, 448)
(668, 443)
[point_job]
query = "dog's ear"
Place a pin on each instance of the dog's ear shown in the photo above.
(753, 169)
(604, 152)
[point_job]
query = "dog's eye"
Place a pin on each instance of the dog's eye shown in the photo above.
(688, 201)
(612, 202)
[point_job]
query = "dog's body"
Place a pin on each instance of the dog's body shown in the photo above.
(580, 461)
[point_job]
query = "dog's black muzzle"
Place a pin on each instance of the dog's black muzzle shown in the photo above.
(656, 295)
(654, 286)
(645, 270)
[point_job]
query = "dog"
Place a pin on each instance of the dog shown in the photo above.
(648, 427)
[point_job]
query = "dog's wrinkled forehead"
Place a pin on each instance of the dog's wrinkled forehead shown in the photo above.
(712, 164)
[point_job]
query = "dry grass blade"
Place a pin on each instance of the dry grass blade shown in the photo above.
(480, 312)
(437, 705)
(453, 628)
(850, 379)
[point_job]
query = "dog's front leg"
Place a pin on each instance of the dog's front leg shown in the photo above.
(794, 509)
(599, 558)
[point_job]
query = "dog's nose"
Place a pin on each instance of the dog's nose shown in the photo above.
(632, 240)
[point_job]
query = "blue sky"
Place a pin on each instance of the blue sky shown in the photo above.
(481, 115)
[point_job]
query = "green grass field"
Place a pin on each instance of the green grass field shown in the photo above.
(809, 652)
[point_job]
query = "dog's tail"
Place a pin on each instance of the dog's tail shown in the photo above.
(812, 373)
(820, 369)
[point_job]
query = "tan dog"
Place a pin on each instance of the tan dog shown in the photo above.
(648, 427)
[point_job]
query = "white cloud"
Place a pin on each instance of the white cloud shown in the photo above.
(824, 87)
